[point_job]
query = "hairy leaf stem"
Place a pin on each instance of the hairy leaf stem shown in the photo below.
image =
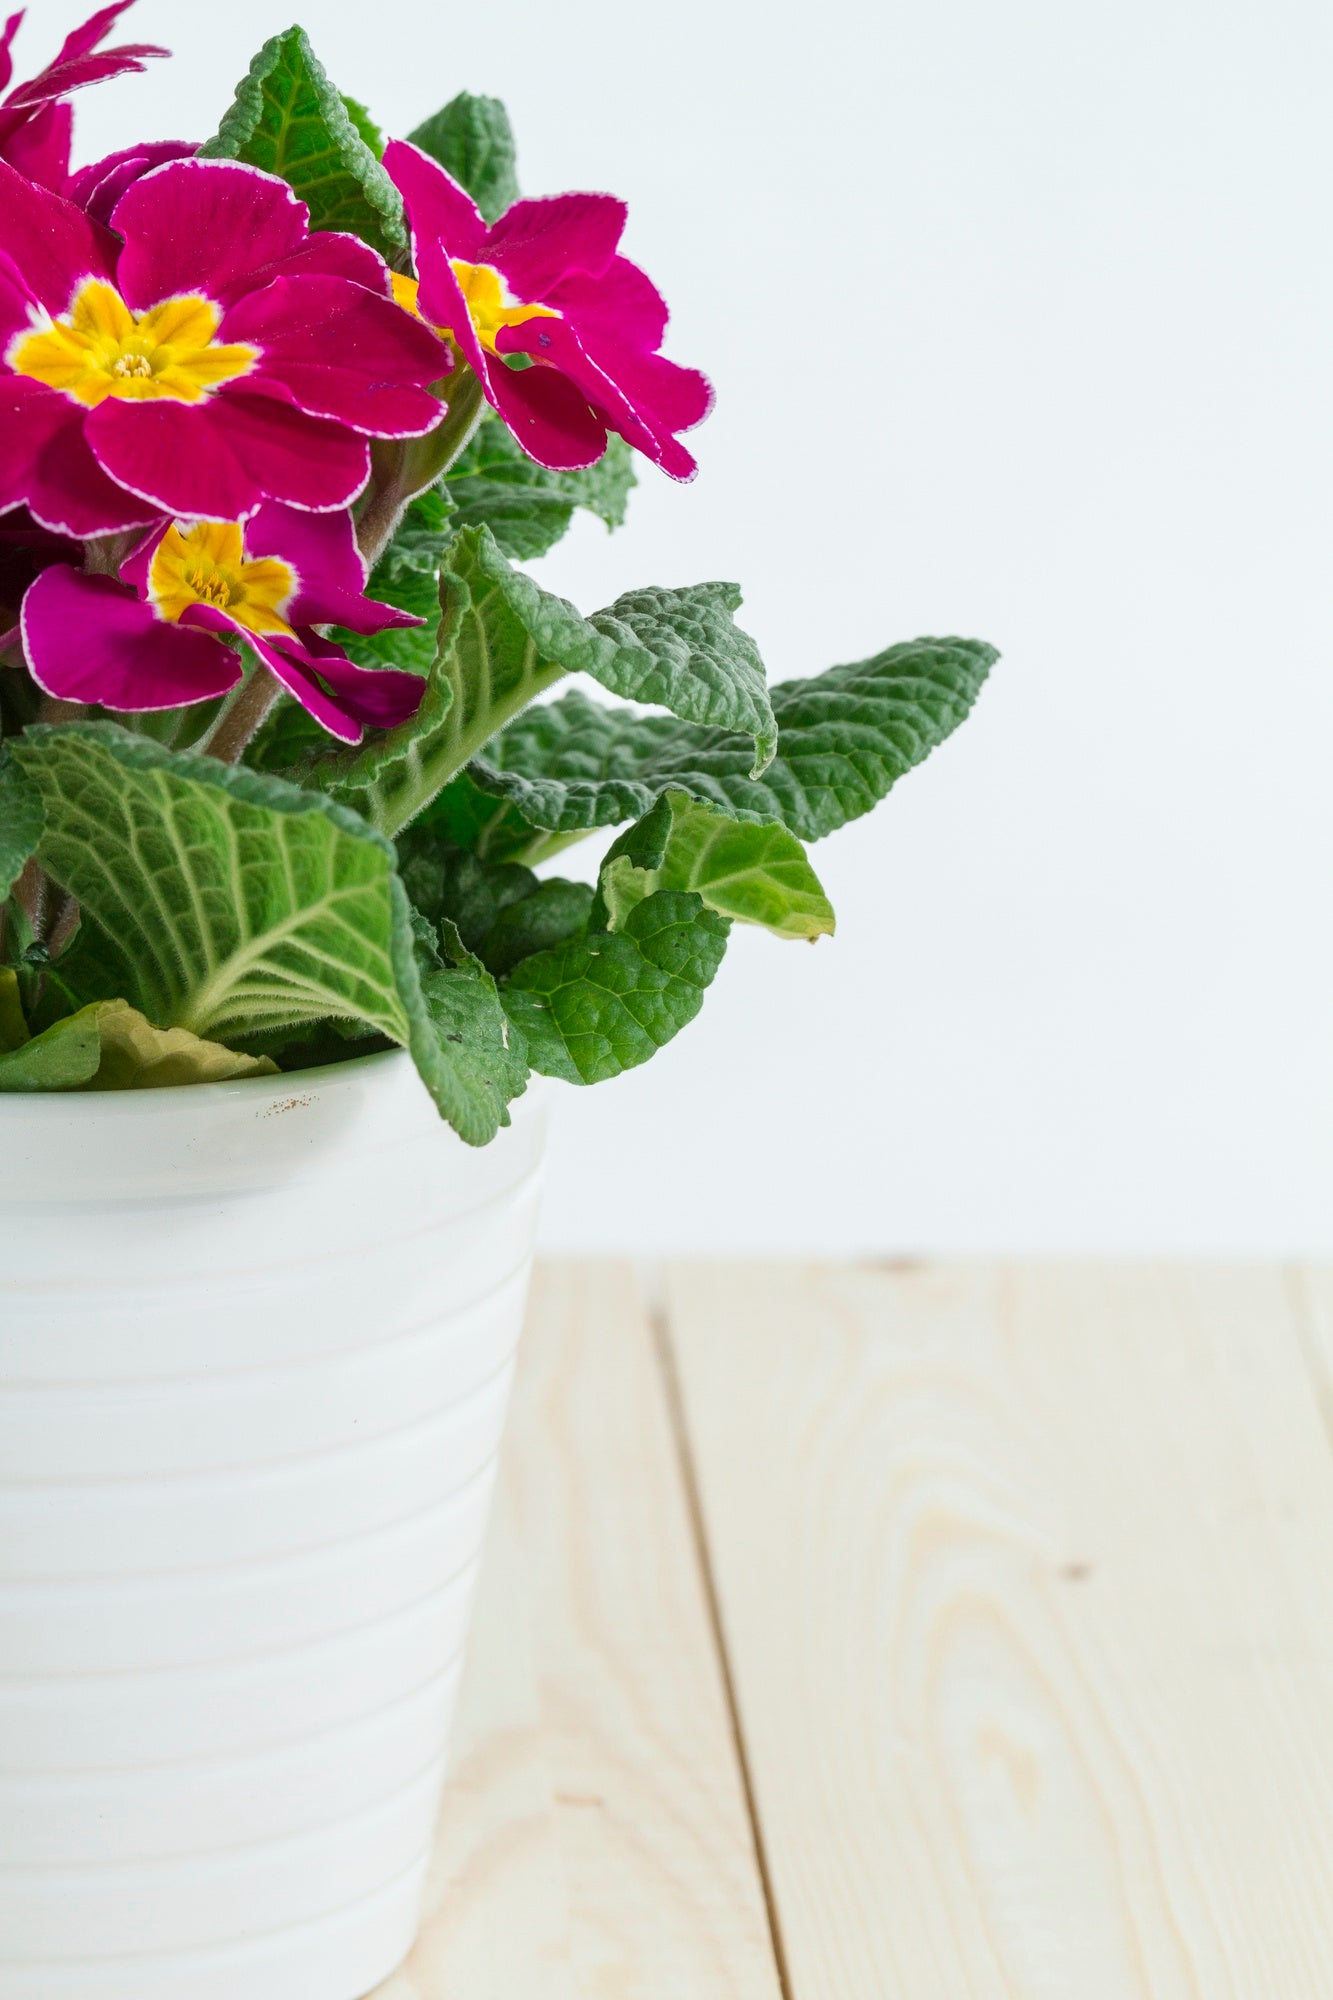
(239, 722)
(402, 468)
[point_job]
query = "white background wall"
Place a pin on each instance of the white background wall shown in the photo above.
(1019, 316)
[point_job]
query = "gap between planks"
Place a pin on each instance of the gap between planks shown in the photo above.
(1025, 1578)
(690, 1486)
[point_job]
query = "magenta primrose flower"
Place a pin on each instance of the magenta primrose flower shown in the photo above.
(163, 633)
(209, 356)
(546, 282)
(35, 121)
(97, 188)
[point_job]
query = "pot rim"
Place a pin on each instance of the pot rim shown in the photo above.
(296, 1082)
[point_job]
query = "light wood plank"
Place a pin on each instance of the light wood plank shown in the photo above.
(1027, 1581)
(496, 1922)
(595, 1843)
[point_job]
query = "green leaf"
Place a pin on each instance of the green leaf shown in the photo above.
(471, 1055)
(367, 130)
(757, 874)
(289, 120)
(63, 1058)
(499, 644)
(604, 1003)
(681, 649)
(21, 819)
(110, 1046)
(503, 641)
(13, 1027)
(463, 815)
(288, 742)
(219, 900)
(554, 911)
(845, 738)
(473, 140)
(228, 902)
(526, 507)
(448, 884)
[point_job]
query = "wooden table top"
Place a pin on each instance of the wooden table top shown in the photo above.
(902, 1633)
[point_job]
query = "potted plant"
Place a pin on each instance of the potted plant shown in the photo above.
(289, 743)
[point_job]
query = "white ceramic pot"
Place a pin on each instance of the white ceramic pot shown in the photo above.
(256, 1341)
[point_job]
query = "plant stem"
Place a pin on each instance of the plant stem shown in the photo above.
(32, 893)
(50, 709)
(545, 846)
(236, 727)
(406, 467)
(104, 554)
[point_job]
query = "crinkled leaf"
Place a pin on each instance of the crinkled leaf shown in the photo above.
(468, 1050)
(463, 815)
(110, 1046)
(757, 874)
(451, 885)
(555, 911)
(527, 507)
(845, 738)
(365, 125)
(682, 650)
(219, 900)
(473, 140)
(503, 640)
(228, 902)
(500, 638)
(289, 120)
(20, 821)
(606, 1002)
(288, 741)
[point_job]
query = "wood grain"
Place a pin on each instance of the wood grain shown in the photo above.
(1026, 1579)
(595, 1843)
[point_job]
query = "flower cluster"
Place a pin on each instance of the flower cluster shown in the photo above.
(192, 380)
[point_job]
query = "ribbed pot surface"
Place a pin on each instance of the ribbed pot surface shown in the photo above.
(256, 1342)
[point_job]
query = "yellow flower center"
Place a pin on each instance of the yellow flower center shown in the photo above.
(99, 348)
(207, 565)
(484, 290)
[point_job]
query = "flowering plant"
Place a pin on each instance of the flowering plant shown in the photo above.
(278, 415)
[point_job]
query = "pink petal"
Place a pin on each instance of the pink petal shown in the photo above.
(52, 243)
(441, 301)
(380, 697)
(353, 696)
(335, 350)
(89, 639)
(98, 188)
(205, 226)
(39, 145)
(668, 397)
(548, 415)
(322, 549)
(623, 303)
(218, 460)
(18, 308)
(438, 209)
(77, 74)
(637, 395)
(7, 34)
(45, 463)
(94, 30)
(537, 243)
(331, 253)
